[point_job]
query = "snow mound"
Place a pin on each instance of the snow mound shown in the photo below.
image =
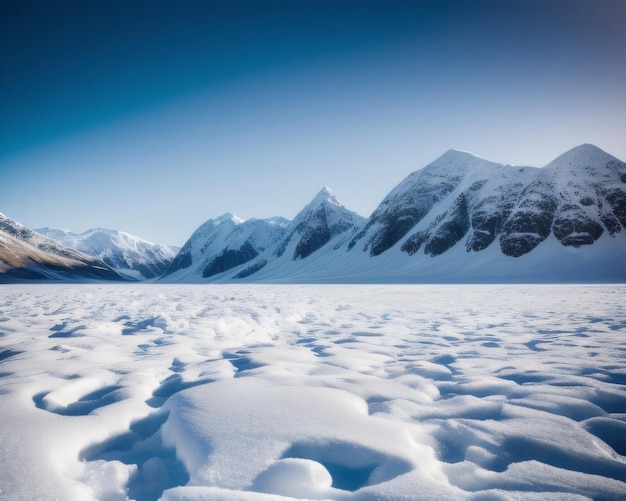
(350, 393)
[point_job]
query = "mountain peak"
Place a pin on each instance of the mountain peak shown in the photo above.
(228, 217)
(457, 161)
(324, 197)
(587, 148)
(459, 157)
(325, 194)
(583, 153)
(454, 153)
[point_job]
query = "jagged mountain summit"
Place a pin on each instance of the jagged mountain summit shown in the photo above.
(229, 247)
(475, 215)
(464, 219)
(416, 197)
(27, 255)
(575, 198)
(224, 243)
(459, 219)
(129, 255)
(323, 220)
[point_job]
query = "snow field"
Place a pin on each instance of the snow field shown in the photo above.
(250, 392)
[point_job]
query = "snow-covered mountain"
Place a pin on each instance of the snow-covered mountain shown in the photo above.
(465, 219)
(417, 196)
(229, 247)
(27, 255)
(224, 243)
(579, 196)
(129, 255)
(459, 219)
(323, 220)
(575, 198)
(483, 214)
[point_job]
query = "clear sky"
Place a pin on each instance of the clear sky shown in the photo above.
(151, 116)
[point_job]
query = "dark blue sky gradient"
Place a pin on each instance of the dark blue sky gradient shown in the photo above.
(75, 64)
(178, 111)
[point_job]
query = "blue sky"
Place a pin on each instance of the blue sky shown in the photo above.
(153, 116)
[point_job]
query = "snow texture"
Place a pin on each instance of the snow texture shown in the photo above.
(277, 392)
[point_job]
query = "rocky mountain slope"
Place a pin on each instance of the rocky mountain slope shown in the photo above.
(323, 220)
(130, 256)
(575, 198)
(462, 218)
(224, 243)
(459, 219)
(27, 255)
(416, 197)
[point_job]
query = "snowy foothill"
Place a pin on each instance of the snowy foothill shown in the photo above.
(343, 392)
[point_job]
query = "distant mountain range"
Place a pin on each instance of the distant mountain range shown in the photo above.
(459, 219)
(130, 256)
(27, 255)
(228, 243)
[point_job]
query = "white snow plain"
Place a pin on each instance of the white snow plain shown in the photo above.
(274, 392)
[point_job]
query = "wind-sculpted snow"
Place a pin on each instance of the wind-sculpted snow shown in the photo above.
(260, 392)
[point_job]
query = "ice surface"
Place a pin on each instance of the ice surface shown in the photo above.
(275, 392)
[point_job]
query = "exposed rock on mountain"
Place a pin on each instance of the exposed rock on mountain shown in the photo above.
(414, 198)
(575, 198)
(224, 243)
(322, 220)
(130, 256)
(27, 255)
(460, 218)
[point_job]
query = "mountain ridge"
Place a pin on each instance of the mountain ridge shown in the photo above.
(129, 255)
(225, 242)
(465, 218)
(28, 255)
(459, 218)
(322, 220)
